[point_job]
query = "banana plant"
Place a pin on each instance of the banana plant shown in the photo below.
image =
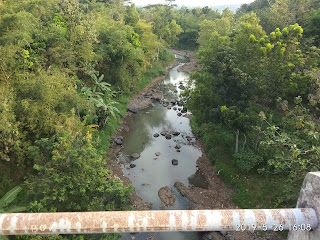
(100, 85)
(107, 106)
(8, 198)
(101, 96)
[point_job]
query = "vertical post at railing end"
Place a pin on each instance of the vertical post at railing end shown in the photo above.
(309, 198)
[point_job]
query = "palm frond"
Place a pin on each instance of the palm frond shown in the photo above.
(15, 209)
(10, 196)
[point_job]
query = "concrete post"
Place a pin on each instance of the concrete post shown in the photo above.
(309, 198)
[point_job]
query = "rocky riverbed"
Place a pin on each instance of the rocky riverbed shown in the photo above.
(213, 195)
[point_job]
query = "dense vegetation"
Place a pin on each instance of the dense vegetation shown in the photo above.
(68, 68)
(256, 98)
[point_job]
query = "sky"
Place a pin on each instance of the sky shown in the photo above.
(193, 3)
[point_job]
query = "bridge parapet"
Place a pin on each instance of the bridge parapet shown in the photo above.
(302, 221)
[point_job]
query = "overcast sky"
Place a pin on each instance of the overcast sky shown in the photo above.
(200, 3)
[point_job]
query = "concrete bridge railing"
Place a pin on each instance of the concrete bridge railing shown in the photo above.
(302, 221)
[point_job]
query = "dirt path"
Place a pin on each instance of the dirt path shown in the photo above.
(217, 196)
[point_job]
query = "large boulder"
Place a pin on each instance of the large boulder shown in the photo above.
(168, 136)
(167, 196)
(156, 135)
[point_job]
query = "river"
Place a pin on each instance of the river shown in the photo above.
(153, 172)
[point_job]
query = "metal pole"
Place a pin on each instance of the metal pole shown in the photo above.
(154, 221)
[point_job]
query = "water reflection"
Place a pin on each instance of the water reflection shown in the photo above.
(154, 172)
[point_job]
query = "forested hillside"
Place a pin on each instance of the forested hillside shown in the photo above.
(69, 67)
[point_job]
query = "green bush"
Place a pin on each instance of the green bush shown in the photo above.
(246, 160)
(74, 177)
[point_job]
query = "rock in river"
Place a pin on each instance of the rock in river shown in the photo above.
(174, 162)
(118, 141)
(178, 146)
(157, 154)
(167, 196)
(175, 133)
(156, 135)
(135, 155)
(133, 110)
(179, 114)
(132, 165)
(164, 133)
(168, 136)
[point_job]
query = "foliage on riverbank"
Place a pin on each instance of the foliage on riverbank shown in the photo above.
(67, 71)
(256, 102)
(251, 189)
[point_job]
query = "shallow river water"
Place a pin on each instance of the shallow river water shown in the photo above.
(154, 172)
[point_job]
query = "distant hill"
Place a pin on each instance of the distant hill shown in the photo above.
(232, 7)
(220, 8)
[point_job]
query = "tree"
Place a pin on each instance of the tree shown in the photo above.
(280, 14)
(236, 120)
(247, 53)
(312, 28)
(283, 61)
(296, 145)
(132, 16)
(151, 45)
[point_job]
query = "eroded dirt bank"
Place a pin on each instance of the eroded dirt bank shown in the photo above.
(216, 196)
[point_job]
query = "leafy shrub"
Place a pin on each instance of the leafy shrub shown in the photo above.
(73, 178)
(246, 160)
